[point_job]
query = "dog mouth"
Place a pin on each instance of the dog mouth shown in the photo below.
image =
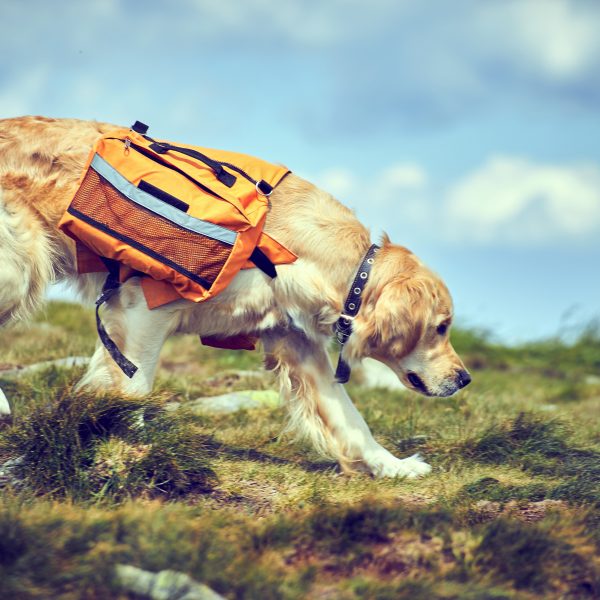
(446, 389)
(417, 383)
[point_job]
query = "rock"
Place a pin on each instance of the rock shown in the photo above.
(164, 585)
(232, 402)
(66, 363)
(7, 472)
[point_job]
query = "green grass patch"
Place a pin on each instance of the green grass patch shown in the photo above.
(489, 488)
(553, 357)
(520, 440)
(371, 551)
(510, 510)
(536, 559)
(93, 447)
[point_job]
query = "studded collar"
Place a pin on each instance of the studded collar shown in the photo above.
(343, 326)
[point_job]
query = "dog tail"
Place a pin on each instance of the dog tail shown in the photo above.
(27, 259)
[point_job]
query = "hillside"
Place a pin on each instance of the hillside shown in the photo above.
(511, 509)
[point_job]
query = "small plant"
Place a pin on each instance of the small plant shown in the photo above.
(105, 446)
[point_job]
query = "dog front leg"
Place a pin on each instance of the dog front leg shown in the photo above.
(321, 410)
(4, 405)
(139, 333)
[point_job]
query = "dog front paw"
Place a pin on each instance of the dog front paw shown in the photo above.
(4, 405)
(383, 464)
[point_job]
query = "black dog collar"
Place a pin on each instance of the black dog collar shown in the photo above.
(343, 326)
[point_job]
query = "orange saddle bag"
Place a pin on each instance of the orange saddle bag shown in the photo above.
(188, 218)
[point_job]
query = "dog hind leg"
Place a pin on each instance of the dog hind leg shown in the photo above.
(321, 410)
(139, 333)
(27, 268)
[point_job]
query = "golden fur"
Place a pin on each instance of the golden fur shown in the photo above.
(404, 303)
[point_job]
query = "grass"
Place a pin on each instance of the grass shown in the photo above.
(94, 447)
(511, 509)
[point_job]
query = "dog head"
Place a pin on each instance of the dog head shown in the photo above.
(405, 321)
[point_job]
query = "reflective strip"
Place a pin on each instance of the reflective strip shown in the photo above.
(210, 230)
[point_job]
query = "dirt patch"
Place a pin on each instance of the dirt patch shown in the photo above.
(527, 512)
(8, 367)
(403, 555)
(219, 500)
(188, 367)
(258, 499)
(232, 378)
(415, 500)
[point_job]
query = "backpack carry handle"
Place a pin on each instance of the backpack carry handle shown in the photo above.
(221, 174)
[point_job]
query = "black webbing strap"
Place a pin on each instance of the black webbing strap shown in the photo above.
(343, 326)
(262, 261)
(140, 128)
(222, 175)
(225, 177)
(262, 187)
(111, 286)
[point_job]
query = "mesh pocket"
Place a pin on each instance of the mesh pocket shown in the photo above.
(192, 254)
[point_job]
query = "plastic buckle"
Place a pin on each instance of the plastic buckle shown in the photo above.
(264, 188)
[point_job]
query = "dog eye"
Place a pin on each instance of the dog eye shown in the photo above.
(442, 328)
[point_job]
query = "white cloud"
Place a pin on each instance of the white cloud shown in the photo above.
(339, 182)
(348, 64)
(554, 37)
(506, 201)
(444, 62)
(404, 175)
(302, 23)
(385, 186)
(395, 197)
(557, 39)
(518, 201)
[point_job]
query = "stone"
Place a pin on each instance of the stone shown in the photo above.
(231, 402)
(7, 472)
(65, 363)
(164, 585)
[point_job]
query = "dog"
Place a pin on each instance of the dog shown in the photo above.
(404, 319)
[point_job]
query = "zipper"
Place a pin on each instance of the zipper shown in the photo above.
(240, 171)
(129, 145)
(262, 187)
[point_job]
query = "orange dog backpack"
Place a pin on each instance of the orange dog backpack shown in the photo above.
(187, 218)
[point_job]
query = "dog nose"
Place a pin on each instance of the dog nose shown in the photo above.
(463, 378)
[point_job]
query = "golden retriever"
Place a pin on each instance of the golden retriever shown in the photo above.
(404, 319)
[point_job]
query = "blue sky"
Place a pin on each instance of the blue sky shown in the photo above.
(469, 131)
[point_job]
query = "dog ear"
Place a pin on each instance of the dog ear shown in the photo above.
(385, 240)
(394, 317)
(400, 314)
